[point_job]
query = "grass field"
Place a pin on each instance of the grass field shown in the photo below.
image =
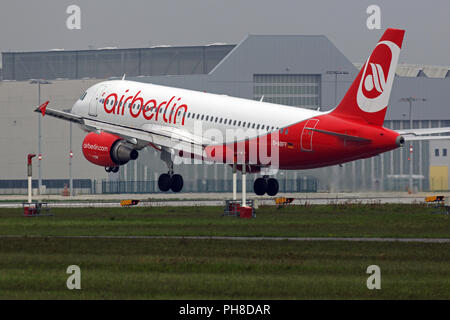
(406, 221)
(35, 268)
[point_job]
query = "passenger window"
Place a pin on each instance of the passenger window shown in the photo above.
(257, 127)
(206, 119)
(286, 131)
(234, 123)
(262, 127)
(253, 126)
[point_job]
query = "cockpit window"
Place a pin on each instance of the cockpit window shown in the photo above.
(84, 95)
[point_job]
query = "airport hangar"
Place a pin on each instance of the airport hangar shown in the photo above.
(293, 70)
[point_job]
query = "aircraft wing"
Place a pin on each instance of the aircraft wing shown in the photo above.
(424, 134)
(58, 114)
(156, 135)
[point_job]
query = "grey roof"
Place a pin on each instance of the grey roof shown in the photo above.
(418, 70)
(109, 62)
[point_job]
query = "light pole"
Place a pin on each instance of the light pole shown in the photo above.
(39, 82)
(336, 73)
(410, 100)
(70, 161)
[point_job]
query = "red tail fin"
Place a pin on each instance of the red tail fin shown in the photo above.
(368, 97)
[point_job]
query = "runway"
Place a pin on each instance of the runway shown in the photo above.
(305, 239)
(214, 199)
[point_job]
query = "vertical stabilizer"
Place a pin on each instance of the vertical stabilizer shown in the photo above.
(368, 97)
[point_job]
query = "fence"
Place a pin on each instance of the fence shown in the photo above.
(305, 184)
(52, 186)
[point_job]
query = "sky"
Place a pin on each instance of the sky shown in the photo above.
(41, 24)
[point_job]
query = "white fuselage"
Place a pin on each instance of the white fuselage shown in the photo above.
(211, 111)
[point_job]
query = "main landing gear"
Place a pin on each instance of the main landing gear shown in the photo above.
(170, 181)
(112, 169)
(266, 185)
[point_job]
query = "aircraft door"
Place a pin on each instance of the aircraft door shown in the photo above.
(93, 104)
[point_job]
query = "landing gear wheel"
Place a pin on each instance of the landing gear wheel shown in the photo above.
(164, 182)
(115, 169)
(108, 169)
(260, 186)
(176, 183)
(272, 187)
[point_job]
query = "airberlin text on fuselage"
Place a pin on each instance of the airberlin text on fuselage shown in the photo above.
(149, 110)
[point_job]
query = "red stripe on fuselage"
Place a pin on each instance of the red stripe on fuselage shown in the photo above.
(325, 149)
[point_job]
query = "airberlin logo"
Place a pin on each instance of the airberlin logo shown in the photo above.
(377, 77)
(95, 147)
(374, 80)
(168, 111)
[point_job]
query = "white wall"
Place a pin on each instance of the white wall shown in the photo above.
(19, 131)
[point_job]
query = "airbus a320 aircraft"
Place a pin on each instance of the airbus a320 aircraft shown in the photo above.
(123, 117)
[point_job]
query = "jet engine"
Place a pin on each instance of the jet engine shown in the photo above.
(108, 150)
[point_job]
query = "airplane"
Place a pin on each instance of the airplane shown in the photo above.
(123, 117)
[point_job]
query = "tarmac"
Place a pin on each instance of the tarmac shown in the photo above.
(217, 199)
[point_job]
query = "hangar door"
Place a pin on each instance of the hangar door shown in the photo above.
(298, 90)
(438, 178)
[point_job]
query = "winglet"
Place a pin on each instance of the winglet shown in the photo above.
(43, 107)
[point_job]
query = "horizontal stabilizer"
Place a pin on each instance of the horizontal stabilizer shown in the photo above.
(420, 132)
(342, 135)
(423, 138)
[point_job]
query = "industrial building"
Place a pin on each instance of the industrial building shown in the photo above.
(300, 71)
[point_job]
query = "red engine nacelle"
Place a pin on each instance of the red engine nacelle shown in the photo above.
(107, 150)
